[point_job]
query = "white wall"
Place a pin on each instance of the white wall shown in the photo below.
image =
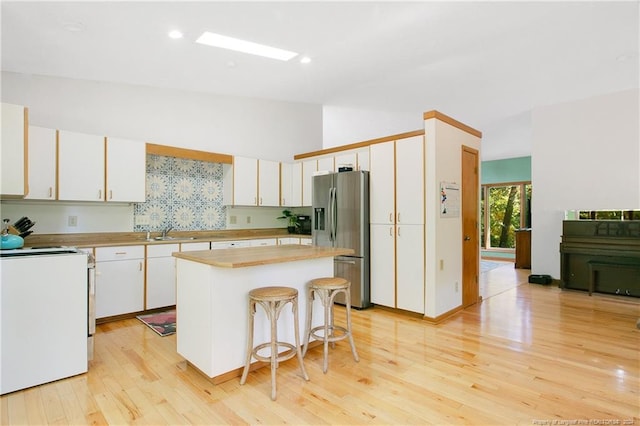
(343, 126)
(508, 138)
(270, 130)
(443, 235)
(585, 155)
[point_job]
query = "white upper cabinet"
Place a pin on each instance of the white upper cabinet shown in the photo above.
(382, 184)
(13, 175)
(241, 182)
(296, 185)
(410, 180)
(126, 174)
(268, 183)
(81, 166)
(363, 158)
(397, 182)
(348, 158)
(291, 184)
(309, 167)
(325, 164)
(42, 163)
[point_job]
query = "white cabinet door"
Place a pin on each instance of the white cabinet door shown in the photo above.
(410, 267)
(347, 158)
(80, 167)
(119, 280)
(382, 184)
(326, 164)
(382, 265)
(306, 241)
(244, 182)
(296, 185)
(12, 151)
(309, 167)
(268, 183)
(363, 159)
(410, 180)
(126, 170)
(286, 170)
(161, 276)
(42, 163)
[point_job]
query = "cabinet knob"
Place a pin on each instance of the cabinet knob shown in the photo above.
(467, 238)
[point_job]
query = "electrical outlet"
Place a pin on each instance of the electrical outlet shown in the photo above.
(72, 221)
(142, 219)
(457, 289)
(441, 264)
(233, 220)
(248, 219)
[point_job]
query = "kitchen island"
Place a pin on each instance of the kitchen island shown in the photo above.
(212, 300)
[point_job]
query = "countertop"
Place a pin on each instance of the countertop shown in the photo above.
(253, 256)
(107, 239)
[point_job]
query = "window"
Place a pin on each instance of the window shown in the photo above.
(505, 208)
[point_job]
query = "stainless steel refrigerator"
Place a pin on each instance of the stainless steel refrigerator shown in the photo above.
(341, 219)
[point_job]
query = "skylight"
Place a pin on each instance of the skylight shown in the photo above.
(238, 45)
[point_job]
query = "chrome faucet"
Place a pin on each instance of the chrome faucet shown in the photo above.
(166, 231)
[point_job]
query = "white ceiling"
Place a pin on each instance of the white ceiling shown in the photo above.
(477, 61)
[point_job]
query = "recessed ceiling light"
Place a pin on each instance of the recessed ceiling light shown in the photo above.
(175, 34)
(238, 45)
(305, 60)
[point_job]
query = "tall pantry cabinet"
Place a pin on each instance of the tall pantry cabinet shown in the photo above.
(397, 223)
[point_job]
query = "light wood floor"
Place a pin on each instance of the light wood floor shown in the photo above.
(528, 355)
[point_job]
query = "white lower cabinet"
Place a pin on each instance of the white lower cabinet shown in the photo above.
(410, 267)
(397, 266)
(161, 275)
(383, 265)
(119, 280)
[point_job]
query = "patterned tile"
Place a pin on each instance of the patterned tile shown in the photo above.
(185, 194)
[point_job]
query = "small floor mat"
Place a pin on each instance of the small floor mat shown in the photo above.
(163, 323)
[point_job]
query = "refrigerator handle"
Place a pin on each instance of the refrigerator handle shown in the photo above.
(330, 215)
(334, 212)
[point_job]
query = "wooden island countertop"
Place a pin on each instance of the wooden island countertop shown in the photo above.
(264, 255)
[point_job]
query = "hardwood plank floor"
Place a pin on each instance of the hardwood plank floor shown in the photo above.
(529, 354)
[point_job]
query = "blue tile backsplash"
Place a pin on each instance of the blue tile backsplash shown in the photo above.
(184, 194)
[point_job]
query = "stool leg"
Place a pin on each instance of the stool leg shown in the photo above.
(307, 331)
(296, 328)
(247, 364)
(325, 353)
(274, 347)
(347, 298)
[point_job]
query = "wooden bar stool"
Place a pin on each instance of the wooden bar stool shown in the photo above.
(273, 299)
(327, 289)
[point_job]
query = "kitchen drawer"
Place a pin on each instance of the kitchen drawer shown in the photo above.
(229, 244)
(194, 246)
(264, 242)
(106, 254)
(162, 250)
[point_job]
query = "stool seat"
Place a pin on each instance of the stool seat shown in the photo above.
(273, 293)
(273, 300)
(327, 288)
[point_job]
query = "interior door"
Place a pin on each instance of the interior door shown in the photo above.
(470, 217)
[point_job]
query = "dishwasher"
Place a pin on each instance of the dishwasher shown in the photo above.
(44, 312)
